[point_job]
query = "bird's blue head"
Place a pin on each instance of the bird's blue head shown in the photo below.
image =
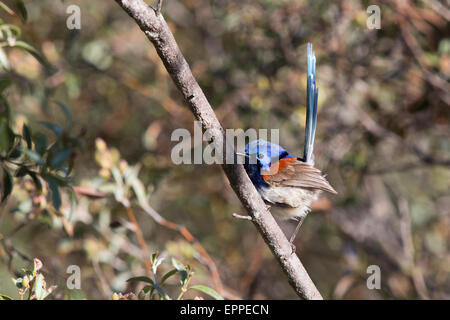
(264, 153)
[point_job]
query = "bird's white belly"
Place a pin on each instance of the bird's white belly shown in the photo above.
(289, 203)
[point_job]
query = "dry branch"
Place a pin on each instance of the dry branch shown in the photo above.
(152, 23)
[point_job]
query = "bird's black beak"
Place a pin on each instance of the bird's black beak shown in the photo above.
(249, 158)
(311, 107)
(242, 154)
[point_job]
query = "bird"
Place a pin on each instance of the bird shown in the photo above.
(289, 184)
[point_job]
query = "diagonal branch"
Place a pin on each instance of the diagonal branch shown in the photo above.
(152, 23)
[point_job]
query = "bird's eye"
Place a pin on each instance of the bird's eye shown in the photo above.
(260, 156)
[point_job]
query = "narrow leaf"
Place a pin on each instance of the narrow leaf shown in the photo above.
(168, 275)
(21, 10)
(60, 158)
(73, 203)
(53, 127)
(21, 172)
(6, 136)
(31, 50)
(26, 132)
(36, 180)
(56, 196)
(34, 156)
(15, 153)
(162, 292)
(65, 109)
(4, 60)
(181, 269)
(40, 142)
(5, 297)
(146, 289)
(7, 185)
(209, 291)
(141, 279)
(4, 83)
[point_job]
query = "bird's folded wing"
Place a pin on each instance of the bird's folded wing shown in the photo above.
(294, 173)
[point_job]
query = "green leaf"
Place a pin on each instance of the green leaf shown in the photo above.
(154, 257)
(4, 60)
(7, 185)
(21, 10)
(70, 167)
(36, 157)
(36, 180)
(156, 263)
(207, 290)
(65, 109)
(5, 297)
(60, 158)
(54, 187)
(146, 289)
(4, 83)
(168, 275)
(53, 127)
(141, 279)
(59, 180)
(40, 142)
(161, 292)
(21, 172)
(6, 136)
(26, 133)
(181, 269)
(31, 50)
(15, 153)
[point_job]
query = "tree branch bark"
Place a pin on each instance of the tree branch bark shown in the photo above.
(152, 23)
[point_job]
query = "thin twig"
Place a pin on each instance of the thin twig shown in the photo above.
(238, 216)
(104, 285)
(408, 246)
(141, 240)
(253, 269)
(439, 8)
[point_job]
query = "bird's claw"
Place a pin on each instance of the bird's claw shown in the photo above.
(294, 248)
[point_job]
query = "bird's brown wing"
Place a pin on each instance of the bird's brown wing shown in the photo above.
(290, 172)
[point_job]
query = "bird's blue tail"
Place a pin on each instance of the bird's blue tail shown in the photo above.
(311, 107)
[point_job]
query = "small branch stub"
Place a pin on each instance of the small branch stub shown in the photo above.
(159, 6)
(238, 216)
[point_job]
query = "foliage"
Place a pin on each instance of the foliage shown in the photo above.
(34, 283)
(10, 35)
(26, 156)
(153, 289)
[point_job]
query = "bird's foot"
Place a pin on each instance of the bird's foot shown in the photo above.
(294, 248)
(286, 256)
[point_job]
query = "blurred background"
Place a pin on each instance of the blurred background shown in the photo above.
(382, 139)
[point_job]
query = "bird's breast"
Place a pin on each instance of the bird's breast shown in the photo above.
(288, 203)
